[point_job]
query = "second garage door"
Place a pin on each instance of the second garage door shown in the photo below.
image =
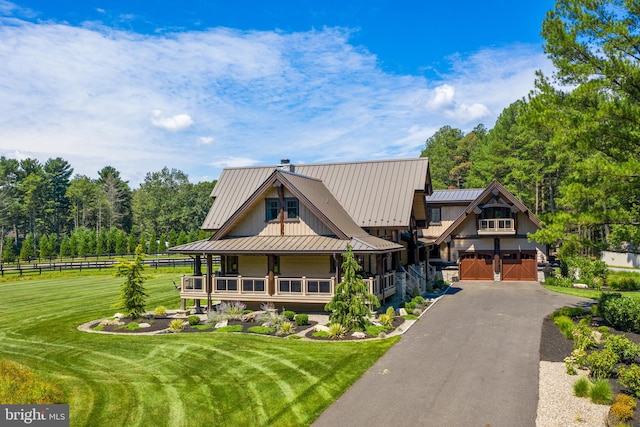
(519, 266)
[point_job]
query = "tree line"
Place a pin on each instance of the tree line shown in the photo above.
(45, 212)
(570, 150)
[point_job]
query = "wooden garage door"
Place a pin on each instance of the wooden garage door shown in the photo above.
(519, 266)
(476, 266)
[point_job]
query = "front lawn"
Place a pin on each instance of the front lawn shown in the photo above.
(169, 379)
(587, 293)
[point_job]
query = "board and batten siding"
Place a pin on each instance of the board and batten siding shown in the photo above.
(254, 223)
(253, 266)
(313, 266)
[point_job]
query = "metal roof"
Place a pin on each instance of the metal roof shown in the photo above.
(494, 188)
(454, 195)
(374, 194)
(287, 245)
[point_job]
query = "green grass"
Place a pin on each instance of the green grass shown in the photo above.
(168, 379)
(587, 293)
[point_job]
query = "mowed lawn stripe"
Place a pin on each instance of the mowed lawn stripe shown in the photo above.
(169, 379)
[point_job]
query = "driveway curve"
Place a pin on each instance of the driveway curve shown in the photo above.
(472, 360)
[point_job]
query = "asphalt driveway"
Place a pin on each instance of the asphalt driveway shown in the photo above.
(472, 360)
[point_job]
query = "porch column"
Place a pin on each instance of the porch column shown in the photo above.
(271, 289)
(209, 280)
(197, 266)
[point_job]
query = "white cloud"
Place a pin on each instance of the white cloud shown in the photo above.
(97, 96)
(442, 97)
(172, 123)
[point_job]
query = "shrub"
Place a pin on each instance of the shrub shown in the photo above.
(602, 363)
(290, 315)
(409, 306)
(265, 330)
(417, 312)
(320, 334)
(247, 311)
(391, 312)
(176, 325)
(216, 316)
(624, 283)
(302, 319)
(193, 320)
(21, 385)
(621, 412)
(625, 399)
(160, 310)
(385, 320)
(131, 326)
(583, 336)
(410, 317)
(601, 392)
(566, 325)
(621, 312)
(581, 387)
(576, 360)
(336, 330)
(286, 328)
(629, 377)
(229, 328)
(626, 350)
(234, 310)
(418, 300)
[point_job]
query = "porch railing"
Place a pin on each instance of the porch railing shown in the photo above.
(496, 225)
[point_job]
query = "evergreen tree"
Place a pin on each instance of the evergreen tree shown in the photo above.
(162, 244)
(153, 243)
(27, 252)
(121, 242)
(352, 302)
(65, 247)
(8, 252)
(45, 247)
(132, 292)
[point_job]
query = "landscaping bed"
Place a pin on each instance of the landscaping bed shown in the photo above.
(556, 347)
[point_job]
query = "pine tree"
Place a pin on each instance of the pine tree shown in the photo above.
(8, 253)
(132, 292)
(352, 301)
(26, 251)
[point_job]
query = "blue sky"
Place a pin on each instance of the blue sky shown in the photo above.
(202, 85)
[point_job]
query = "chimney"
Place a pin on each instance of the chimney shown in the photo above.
(285, 164)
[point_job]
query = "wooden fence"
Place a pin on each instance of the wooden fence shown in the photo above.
(87, 264)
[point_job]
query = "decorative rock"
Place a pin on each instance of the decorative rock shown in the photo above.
(250, 317)
(118, 315)
(144, 325)
(359, 334)
(375, 322)
(580, 285)
(221, 324)
(317, 328)
(403, 312)
(107, 322)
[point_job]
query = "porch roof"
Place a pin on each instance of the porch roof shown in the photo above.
(294, 245)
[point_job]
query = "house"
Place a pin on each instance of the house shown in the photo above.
(481, 234)
(279, 231)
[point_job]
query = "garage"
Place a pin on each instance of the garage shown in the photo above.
(519, 266)
(476, 266)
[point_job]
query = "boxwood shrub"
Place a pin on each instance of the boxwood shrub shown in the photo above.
(620, 312)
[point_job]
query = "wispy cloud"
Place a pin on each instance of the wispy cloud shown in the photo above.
(200, 101)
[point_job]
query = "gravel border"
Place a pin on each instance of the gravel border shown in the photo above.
(558, 407)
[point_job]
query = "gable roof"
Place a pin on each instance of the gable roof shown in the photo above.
(494, 187)
(374, 194)
(310, 192)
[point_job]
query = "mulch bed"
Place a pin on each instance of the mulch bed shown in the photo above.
(397, 321)
(554, 347)
(157, 324)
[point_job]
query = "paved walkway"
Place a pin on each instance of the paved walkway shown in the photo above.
(472, 360)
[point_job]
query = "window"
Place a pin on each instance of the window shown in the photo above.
(231, 266)
(272, 209)
(434, 215)
(292, 208)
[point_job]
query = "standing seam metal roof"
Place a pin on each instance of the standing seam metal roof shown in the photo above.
(374, 194)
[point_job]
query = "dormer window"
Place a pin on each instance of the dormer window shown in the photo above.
(291, 209)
